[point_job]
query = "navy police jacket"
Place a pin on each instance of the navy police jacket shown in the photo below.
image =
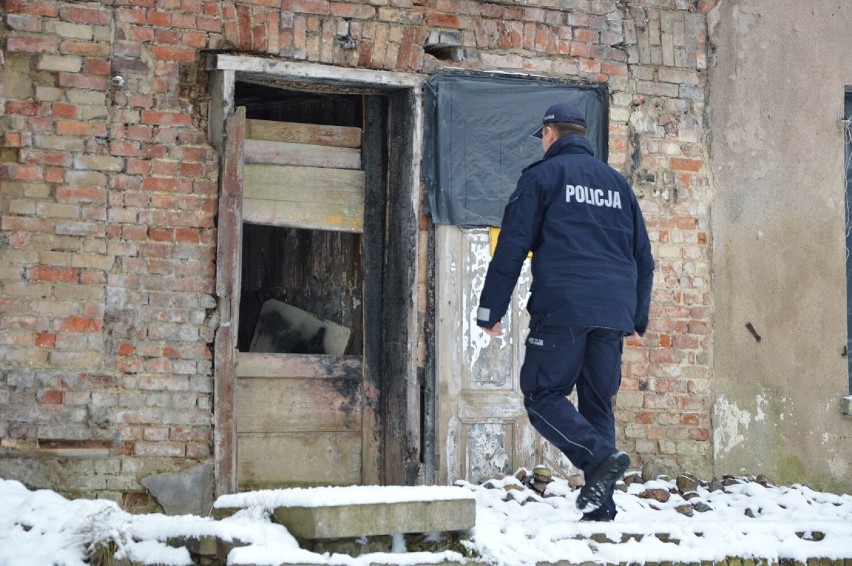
(591, 263)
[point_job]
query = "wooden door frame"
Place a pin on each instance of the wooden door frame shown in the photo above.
(393, 385)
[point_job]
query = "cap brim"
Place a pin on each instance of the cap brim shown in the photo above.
(538, 132)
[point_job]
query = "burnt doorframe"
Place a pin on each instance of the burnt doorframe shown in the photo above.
(391, 332)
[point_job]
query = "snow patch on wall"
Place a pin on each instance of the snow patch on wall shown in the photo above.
(727, 420)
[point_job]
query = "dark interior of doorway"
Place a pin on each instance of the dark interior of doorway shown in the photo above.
(318, 271)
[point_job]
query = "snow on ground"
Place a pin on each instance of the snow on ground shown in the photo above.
(515, 526)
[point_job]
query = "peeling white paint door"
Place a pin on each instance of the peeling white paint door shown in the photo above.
(482, 427)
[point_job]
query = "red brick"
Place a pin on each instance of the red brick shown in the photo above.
(138, 167)
(85, 48)
(166, 184)
(21, 172)
(590, 66)
(78, 128)
(85, 81)
(614, 69)
(164, 168)
(159, 18)
(682, 164)
(125, 349)
(191, 169)
(183, 20)
(581, 49)
(45, 340)
(59, 158)
(306, 6)
(85, 15)
(197, 451)
(48, 273)
(702, 434)
(643, 417)
(187, 236)
(26, 224)
(165, 118)
(139, 33)
(161, 234)
(443, 20)
(64, 110)
(167, 36)
(98, 381)
(586, 35)
(690, 419)
(49, 397)
(88, 277)
(354, 11)
(173, 53)
(124, 149)
(14, 139)
(196, 40)
(35, 7)
(80, 324)
(130, 16)
(27, 108)
(705, 6)
(687, 223)
(139, 133)
(134, 232)
(32, 45)
(94, 66)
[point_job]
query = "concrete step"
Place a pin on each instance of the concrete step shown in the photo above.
(358, 511)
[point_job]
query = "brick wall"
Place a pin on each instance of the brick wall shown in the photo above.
(108, 202)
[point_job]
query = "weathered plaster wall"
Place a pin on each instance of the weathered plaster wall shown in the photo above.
(777, 80)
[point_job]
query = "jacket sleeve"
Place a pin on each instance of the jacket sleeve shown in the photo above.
(520, 227)
(644, 270)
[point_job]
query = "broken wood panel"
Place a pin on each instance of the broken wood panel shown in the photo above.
(228, 291)
(311, 215)
(298, 405)
(316, 366)
(317, 134)
(304, 184)
(298, 459)
(308, 155)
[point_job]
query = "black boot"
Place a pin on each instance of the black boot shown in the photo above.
(600, 481)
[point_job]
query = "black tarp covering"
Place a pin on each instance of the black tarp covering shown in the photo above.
(477, 139)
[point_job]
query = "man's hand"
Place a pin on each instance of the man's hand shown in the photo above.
(495, 330)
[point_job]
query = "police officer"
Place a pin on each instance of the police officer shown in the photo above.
(592, 271)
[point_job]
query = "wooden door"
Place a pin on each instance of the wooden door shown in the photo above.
(483, 431)
(303, 419)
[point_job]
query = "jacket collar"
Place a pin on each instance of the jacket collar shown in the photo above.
(571, 144)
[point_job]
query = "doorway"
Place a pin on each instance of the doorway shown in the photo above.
(315, 365)
(301, 414)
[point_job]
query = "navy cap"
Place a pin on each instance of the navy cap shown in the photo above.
(561, 112)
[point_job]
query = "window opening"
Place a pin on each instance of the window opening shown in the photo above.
(302, 286)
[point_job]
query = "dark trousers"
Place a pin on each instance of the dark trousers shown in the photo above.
(556, 361)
